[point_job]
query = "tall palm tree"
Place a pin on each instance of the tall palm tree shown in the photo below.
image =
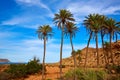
(112, 29)
(117, 32)
(87, 23)
(93, 22)
(106, 51)
(103, 32)
(70, 31)
(44, 32)
(60, 20)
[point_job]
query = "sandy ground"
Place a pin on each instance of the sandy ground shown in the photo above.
(52, 73)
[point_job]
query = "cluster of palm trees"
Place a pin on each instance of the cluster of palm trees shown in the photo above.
(94, 23)
(100, 24)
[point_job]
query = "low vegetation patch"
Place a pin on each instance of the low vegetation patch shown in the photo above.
(16, 71)
(85, 75)
(113, 69)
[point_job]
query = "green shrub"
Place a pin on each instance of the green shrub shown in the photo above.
(33, 67)
(22, 70)
(17, 70)
(117, 69)
(96, 75)
(85, 75)
(71, 73)
(4, 76)
(114, 77)
(111, 68)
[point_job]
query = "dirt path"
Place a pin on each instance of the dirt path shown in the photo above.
(52, 73)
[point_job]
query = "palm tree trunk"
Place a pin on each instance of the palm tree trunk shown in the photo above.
(116, 37)
(111, 48)
(102, 38)
(79, 59)
(43, 68)
(97, 50)
(73, 55)
(86, 55)
(62, 37)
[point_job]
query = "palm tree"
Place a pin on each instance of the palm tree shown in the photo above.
(106, 46)
(71, 30)
(117, 32)
(92, 23)
(87, 23)
(60, 20)
(103, 32)
(44, 32)
(112, 29)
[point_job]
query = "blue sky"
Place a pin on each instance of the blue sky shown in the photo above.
(19, 20)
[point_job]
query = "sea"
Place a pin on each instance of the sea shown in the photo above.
(2, 63)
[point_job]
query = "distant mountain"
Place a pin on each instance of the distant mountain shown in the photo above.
(4, 60)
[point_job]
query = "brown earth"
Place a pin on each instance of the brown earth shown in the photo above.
(51, 73)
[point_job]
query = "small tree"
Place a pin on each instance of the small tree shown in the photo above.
(79, 56)
(33, 66)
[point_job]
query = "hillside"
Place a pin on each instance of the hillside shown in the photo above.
(92, 57)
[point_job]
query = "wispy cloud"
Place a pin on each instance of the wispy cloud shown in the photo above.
(33, 3)
(16, 20)
(82, 8)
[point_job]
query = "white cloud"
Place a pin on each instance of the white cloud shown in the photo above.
(25, 21)
(81, 9)
(33, 3)
(16, 20)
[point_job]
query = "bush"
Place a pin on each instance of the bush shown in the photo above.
(4, 76)
(71, 73)
(33, 67)
(113, 68)
(117, 69)
(96, 75)
(85, 75)
(22, 70)
(17, 70)
(114, 77)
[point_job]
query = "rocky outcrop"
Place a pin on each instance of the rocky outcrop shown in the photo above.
(92, 56)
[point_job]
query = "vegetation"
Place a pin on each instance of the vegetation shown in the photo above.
(4, 76)
(21, 70)
(33, 66)
(44, 32)
(113, 69)
(85, 75)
